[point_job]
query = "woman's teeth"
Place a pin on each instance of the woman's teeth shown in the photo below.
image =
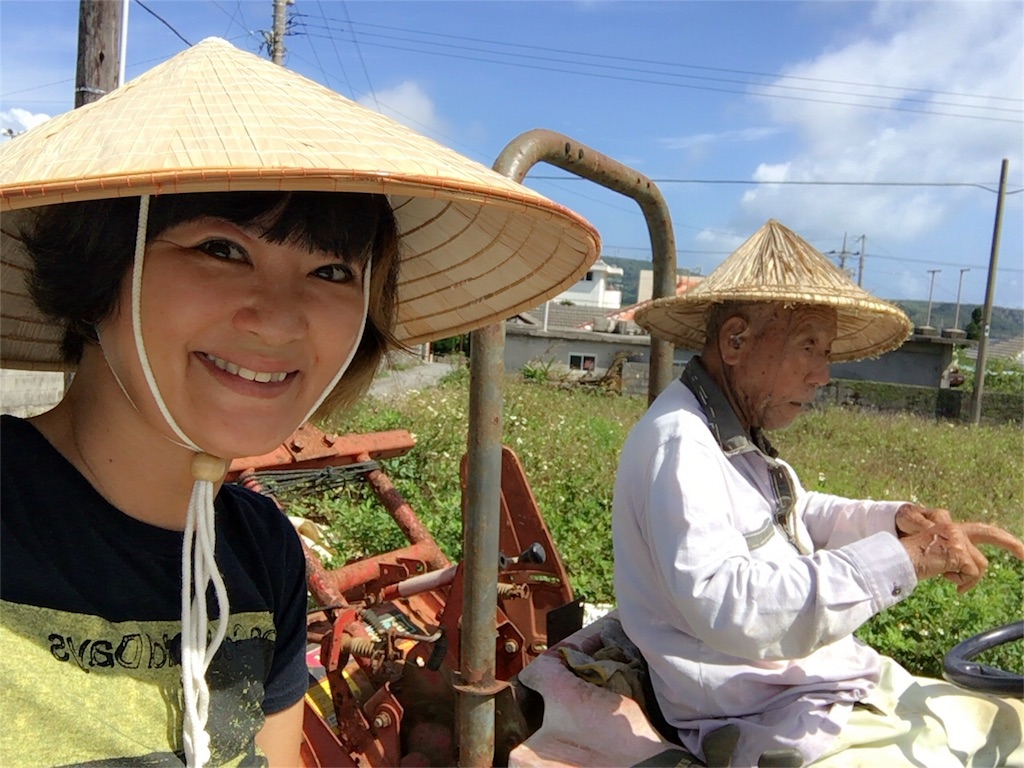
(258, 376)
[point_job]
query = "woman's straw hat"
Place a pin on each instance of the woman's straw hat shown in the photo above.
(477, 247)
(777, 265)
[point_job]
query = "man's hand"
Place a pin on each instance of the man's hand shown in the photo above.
(950, 550)
(911, 518)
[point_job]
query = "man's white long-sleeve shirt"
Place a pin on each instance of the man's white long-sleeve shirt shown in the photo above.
(741, 620)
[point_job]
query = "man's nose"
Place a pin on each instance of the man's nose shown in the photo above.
(819, 375)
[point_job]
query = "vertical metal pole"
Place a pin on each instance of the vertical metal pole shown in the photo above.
(990, 290)
(860, 263)
(959, 288)
(663, 269)
(931, 290)
(123, 55)
(480, 547)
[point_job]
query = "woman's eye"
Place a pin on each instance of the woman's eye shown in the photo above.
(335, 273)
(224, 249)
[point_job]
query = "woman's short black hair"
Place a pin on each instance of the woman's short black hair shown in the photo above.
(82, 252)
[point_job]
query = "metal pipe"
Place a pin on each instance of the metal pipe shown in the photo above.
(403, 515)
(480, 547)
(483, 476)
(417, 584)
(538, 145)
(368, 569)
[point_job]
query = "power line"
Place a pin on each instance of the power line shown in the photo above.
(164, 21)
(753, 182)
(564, 71)
(359, 51)
(606, 56)
(334, 44)
(873, 256)
(488, 58)
(316, 55)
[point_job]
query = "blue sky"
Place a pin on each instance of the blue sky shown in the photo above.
(695, 95)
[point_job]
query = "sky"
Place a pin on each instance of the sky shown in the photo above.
(881, 125)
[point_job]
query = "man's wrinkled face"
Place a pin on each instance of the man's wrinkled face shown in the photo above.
(783, 361)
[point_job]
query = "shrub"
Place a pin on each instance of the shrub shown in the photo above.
(538, 371)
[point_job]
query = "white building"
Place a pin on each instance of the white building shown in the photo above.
(595, 289)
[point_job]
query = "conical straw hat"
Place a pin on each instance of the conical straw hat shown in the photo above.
(477, 247)
(777, 265)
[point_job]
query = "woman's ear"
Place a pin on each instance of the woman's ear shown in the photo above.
(732, 337)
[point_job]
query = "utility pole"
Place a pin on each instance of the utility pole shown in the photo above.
(986, 316)
(98, 70)
(277, 36)
(842, 256)
(932, 272)
(99, 50)
(960, 285)
(860, 266)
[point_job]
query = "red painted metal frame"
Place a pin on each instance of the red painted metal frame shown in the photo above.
(393, 691)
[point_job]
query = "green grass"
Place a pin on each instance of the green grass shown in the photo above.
(569, 440)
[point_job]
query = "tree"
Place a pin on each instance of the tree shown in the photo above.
(974, 327)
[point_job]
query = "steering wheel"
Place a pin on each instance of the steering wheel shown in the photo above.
(958, 668)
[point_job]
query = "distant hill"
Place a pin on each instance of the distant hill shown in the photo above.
(1006, 323)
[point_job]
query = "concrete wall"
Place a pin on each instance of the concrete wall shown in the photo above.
(919, 362)
(26, 393)
(525, 344)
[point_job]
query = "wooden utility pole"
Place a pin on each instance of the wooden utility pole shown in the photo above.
(99, 50)
(277, 36)
(99, 61)
(990, 289)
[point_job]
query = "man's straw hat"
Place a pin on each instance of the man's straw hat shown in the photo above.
(477, 247)
(777, 265)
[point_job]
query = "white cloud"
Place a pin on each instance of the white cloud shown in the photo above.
(17, 120)
(703, 140)
(943, 52)
(410, 105)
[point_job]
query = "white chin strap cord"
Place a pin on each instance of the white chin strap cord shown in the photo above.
(198, 566)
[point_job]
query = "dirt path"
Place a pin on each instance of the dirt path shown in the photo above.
(396, 383)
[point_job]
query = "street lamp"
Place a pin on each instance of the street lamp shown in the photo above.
(928, 322)
(956, 320)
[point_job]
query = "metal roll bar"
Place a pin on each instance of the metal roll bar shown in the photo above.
(477, 685)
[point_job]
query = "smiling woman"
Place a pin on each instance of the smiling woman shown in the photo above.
(219, 250)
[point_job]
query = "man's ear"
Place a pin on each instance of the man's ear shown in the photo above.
(732, 337)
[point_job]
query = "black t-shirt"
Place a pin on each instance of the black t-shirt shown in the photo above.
(90, 620)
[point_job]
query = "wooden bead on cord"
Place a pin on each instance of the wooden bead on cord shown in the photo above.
(209, 468)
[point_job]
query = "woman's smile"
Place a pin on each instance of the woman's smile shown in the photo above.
(262, 377)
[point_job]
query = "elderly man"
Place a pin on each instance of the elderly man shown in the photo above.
(741, 589)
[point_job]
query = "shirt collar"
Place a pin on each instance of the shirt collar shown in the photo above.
(722, 419)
